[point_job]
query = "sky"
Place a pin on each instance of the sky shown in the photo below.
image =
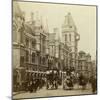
(53, 14)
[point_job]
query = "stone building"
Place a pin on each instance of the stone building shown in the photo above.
(53, 49)
(70, 37)
(88, 65)
(29, 44)
(85, 64)
(82, 62)
(18, 43)
(58, 51)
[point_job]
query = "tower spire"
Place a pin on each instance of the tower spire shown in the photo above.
(69, 24)
(69, 20)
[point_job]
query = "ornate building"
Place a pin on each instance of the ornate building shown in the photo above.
(70, 37)
(30, 44)
(18, 43)
(58, 51)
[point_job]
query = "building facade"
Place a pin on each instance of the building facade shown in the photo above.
(35, 49)
(71, 38)
(30, 44)
(18, 43)
(85, 64)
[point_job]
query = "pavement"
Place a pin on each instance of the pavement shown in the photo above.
(48, 93)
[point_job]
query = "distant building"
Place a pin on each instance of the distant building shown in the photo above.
(84, 64)
(94, 68)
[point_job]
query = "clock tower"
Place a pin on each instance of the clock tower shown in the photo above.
(70, 37)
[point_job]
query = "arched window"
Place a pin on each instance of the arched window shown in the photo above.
(33, 57)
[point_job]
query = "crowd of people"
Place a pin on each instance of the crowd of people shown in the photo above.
(52, 79)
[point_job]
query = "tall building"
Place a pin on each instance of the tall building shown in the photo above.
(70, 37)
(29, 45)
(58, 51)
(18, 42)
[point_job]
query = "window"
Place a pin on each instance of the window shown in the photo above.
(65, 37)
(70, 37)
(27, 42)
(21, 61)
(33, 57)
(14, 32)
(70, 26)
(40, 59)
(34, 44)
(43, 43)
(14, 36)
(21, 37)
(43, 60)
(27, 56)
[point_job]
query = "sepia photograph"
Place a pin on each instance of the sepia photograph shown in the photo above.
(54, 49)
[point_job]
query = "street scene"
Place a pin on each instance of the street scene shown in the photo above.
(53, 49)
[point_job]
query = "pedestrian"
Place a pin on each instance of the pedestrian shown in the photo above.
(93, 84)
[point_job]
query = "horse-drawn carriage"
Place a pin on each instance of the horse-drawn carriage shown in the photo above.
(52, 79)
(68, 79)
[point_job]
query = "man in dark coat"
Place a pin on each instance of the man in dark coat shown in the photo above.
(93, 84)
